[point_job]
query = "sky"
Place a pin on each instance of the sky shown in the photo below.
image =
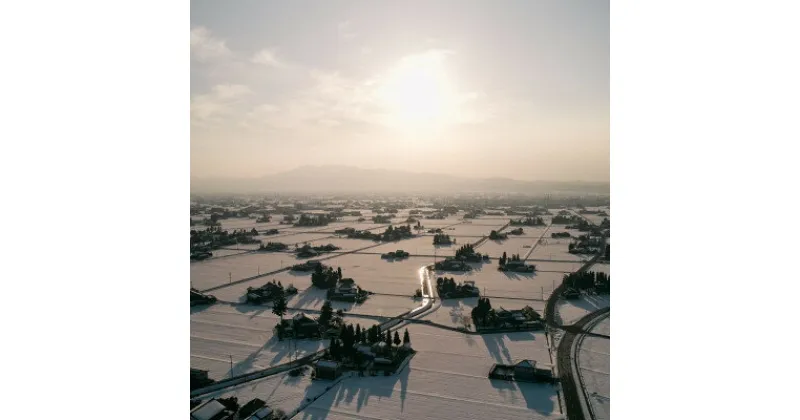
(516, 89)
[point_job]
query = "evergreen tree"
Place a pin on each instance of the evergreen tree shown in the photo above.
(358, 332)
(326, 313)
(396, 339)
(406, 337)
(388, 339)
(339, 272)
(279, 304)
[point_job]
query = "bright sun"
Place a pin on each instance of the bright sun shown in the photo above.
(419, 93)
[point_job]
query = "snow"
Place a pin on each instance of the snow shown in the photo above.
(512, 245)
(508, 284)
(225, 252)
(571, 311)
(423, 245)
(533, 232)
(244, 333)
(602, 268)
(420, 394)
(375, 274)
(556, 249)
(214, 272)
(314, 239)
(472, 229)
(347, 244)
(594, 365)
(447, 379)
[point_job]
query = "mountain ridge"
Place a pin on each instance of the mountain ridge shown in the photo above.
(350, 179)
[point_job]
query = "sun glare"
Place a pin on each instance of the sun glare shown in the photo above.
(419, 93)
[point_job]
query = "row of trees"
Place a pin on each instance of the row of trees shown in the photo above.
(465, 250)
(214, 237)
(449, 288)
(396, 234)
(326, 278)
(528, 221)
(483, 312)
(504, 259)
(496, 236)
(588, 280)
(442, 239)
(315, 220)
(382, 218)
(565, 219)
(344, 345)
(558, 235)
(273, 247)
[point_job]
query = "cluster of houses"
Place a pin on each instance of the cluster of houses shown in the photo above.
(267, 292)
(308, 251)
(451, 264)
(228, 409)
(309, 265)
(395, 254)
(298, 326)
(346, 290)
(375, 358)
(517, 266)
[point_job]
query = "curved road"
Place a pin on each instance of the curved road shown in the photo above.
(574, 397)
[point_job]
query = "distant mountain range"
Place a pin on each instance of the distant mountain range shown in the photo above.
(347, 179)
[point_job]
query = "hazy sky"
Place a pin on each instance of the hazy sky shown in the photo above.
(515, 89)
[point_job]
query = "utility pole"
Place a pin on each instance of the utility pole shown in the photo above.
(231, 356)
(229, 278)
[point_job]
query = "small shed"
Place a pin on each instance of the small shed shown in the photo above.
(327, 369)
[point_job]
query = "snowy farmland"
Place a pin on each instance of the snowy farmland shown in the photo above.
(471, 229)
(555, 249)
(347, 244)
(219, 271)
(593, 360)
(302, 238)
(447, 379)
(375, 274)
(570, 311)
(512, 245)
(601, 268)
(242, 333)
(506, 284)
(423, 245)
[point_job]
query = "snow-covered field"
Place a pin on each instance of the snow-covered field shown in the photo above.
(226, 252)
(555, 249)
(422, 245)
(595, 368)
(447, 379)
(506, 284)
(570, 311)
(602, 268)
(375, 274)
(215, 272)
(242, 333)
(347, 244)
(512, 245)
(314, 239)
(472, 229)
